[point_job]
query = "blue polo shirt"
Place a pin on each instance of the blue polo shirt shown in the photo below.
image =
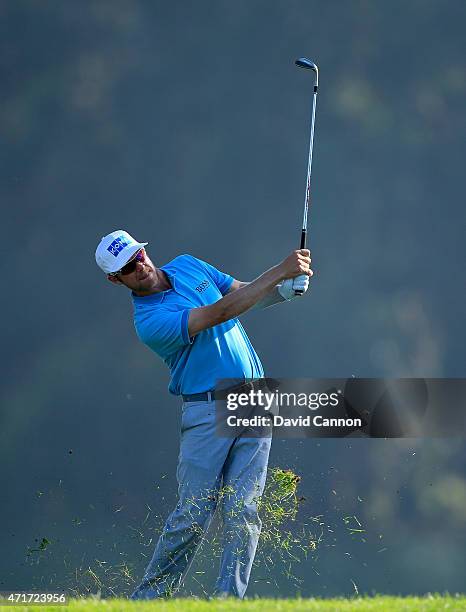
(161, 322)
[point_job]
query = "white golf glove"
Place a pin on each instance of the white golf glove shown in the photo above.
(288, 287)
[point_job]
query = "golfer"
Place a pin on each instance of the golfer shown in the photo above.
(185, 311)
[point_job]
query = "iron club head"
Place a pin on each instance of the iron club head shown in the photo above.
(303, 62)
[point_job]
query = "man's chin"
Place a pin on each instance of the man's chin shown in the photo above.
(145, 283)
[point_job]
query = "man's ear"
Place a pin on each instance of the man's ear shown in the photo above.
(114, 279)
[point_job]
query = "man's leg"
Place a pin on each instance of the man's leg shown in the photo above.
(201, 459)
(244, 478)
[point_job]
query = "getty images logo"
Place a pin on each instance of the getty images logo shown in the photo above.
(117, 246)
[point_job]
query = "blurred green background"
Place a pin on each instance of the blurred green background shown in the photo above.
(187, 124)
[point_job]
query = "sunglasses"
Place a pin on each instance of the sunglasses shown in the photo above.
(131, 265)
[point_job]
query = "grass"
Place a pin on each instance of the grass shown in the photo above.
(430, 603)
(284, 542)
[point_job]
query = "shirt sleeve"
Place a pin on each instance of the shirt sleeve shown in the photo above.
(165, 331)
(222, 280)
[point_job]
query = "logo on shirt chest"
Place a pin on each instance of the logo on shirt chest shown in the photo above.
(202, 286)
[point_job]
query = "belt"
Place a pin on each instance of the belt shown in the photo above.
(219, 394)
(207, 396)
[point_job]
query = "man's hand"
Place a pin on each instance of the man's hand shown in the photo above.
(287, 289)
(296, 264)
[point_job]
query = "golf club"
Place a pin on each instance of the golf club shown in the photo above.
(303, 62)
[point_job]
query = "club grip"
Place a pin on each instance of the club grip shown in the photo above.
(302, 246)
(303, 239)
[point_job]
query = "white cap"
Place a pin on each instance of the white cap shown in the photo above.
(115, 250)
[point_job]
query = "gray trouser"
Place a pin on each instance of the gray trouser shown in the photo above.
(207, 465)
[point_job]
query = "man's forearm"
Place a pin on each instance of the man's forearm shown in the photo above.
(260, 293)
(273, 297)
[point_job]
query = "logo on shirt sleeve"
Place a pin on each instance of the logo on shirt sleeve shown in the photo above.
(203, 286)
(117, 246)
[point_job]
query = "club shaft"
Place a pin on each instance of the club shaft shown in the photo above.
(307, 195)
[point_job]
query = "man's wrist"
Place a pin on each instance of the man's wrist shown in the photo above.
(276, 275)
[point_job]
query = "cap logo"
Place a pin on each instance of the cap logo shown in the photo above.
(117, 246)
